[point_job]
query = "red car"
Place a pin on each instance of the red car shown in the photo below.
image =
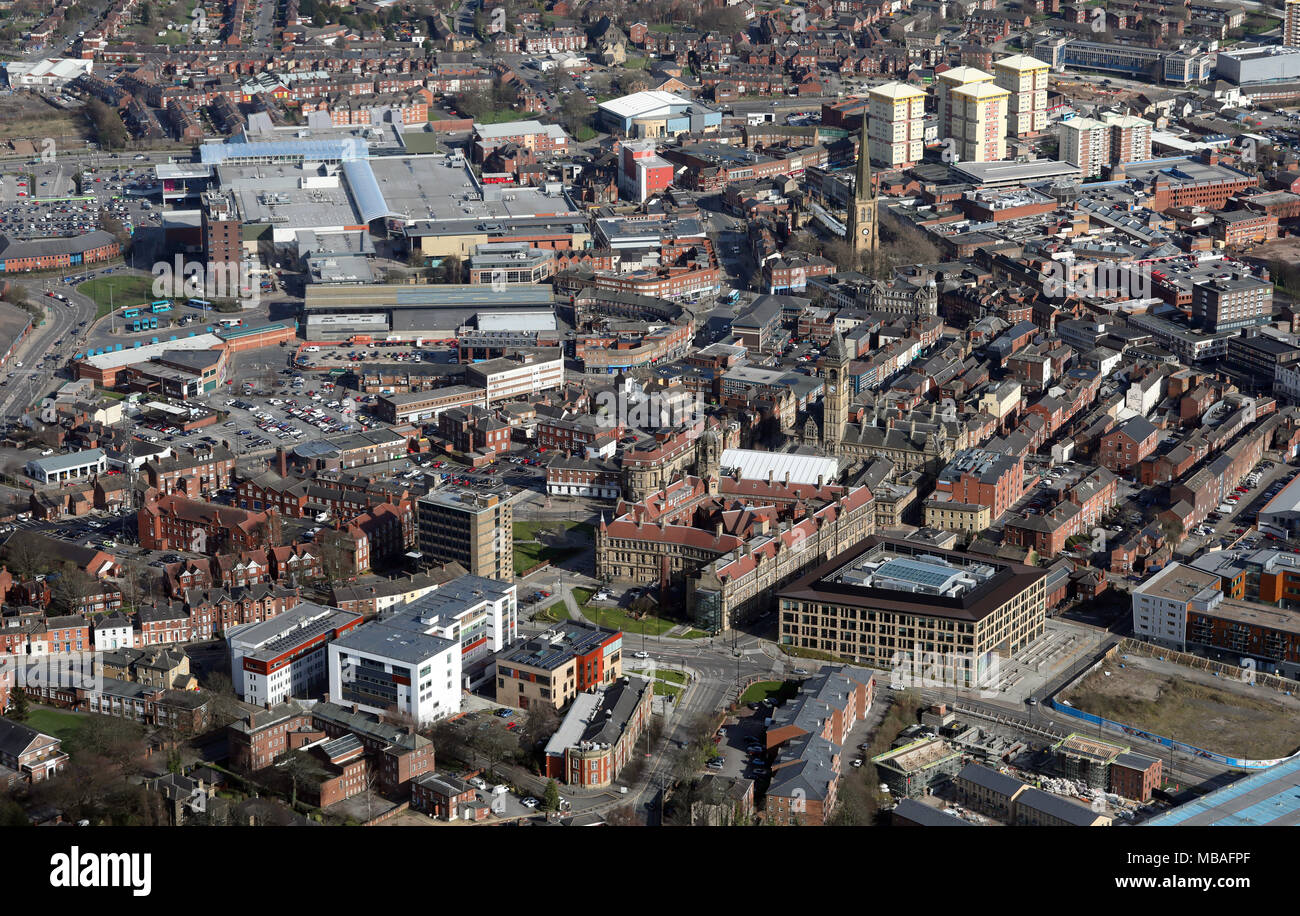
(510, 725)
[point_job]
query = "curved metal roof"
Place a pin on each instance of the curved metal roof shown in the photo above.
(365, 190)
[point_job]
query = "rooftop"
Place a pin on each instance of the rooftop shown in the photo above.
(559, 644)
(1267, 798)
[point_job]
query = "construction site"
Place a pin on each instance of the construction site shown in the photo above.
(1218, 708)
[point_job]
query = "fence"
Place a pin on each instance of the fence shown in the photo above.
(1223, 669)
(1139, 648)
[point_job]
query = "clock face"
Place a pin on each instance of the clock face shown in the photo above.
(831, 389)
(866, 230)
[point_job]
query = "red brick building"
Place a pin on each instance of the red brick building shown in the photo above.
(179, 523)
(1135, 776)
(1125, 446)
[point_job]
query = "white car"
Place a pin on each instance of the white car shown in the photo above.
(641, 655)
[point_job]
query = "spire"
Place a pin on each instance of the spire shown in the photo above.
(835, 352)
(864, 188)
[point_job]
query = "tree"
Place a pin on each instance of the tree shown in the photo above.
(575, 111)
(495, 743)
(19, 709)
(71, 587)
(475, 103)
(11, 814)
(449, 739)
(109, 129)
(117, 743)
(223, 706)
(297, 766)
(644, 605)
(27, 555)
(623, 816)
(452, 269)
(540, 722)
(551, 797)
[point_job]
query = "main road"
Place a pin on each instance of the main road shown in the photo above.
(33, 378)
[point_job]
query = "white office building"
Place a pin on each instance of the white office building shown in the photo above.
(482, 615)
(385, 665)
(508, 378)
(1161, 604)
(285, 657)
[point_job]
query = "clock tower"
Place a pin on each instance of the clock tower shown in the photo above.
(862, 213)
(835, 402)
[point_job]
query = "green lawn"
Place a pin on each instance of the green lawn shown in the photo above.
(527, 531)
(121, 289)
(557, 611)
(666, 28)
(634, 63)
(667, 674)
(528, 553)
(689, 634)
(667, 690)
(818, 654)
(582, 596)
(769, 690)
(619, 619)
(503, 115)
(54, 722)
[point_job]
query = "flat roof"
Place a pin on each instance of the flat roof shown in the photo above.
(278, 635)
(69, 461)
(1260, 615)
(640, 104)
(441, 195)
(1268, 798)
(1286, 500)
(752, 464)
(367, 297)
(557, 645)
(386, 640)
(1178, 582)
(128, 356)
(992, 173)
(973, 604)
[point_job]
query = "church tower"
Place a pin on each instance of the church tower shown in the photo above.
(862, 212)
(708, 459)
(835, 403)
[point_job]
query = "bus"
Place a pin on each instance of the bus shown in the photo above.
(160, 306)
(130, 313)
(200, 303)
(232, 322)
